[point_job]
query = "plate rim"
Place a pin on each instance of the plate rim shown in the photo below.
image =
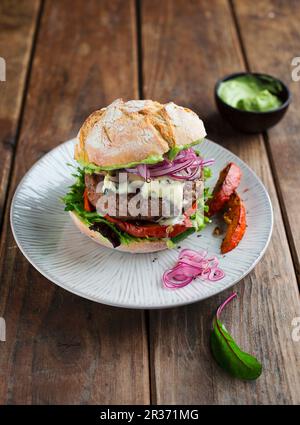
(134, 306)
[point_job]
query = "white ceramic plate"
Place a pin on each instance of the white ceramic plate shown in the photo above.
(49, 240)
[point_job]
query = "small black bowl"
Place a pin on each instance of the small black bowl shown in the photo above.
(248, 121)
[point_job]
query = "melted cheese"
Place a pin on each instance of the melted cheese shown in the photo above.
(109, 185)
(170, 221)
(163, 187)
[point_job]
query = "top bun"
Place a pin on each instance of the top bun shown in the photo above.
(137, 131)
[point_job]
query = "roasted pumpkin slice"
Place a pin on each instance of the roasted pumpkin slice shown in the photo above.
(235, 218)
(228, 181)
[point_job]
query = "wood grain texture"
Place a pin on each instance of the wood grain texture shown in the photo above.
(277, 25)
(187, 46)
(17, 26)
(61, 348)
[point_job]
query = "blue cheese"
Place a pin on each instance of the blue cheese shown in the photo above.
(123, 187)
(109, 185)
(163, 187)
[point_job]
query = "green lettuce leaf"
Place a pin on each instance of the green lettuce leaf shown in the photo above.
(91, 168)
(176, 149)
(199, 218)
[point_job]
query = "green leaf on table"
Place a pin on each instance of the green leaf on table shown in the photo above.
(228, 354)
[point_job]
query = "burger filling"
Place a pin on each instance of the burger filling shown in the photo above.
(123, 206)
(160, 200)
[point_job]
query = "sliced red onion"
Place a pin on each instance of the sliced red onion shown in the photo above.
(143, 171)
(186, 162)
(190, 265)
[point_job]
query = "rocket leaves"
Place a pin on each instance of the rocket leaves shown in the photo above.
(228, 354)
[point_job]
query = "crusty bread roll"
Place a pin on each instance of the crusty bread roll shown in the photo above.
(133, 131)
(134, 247)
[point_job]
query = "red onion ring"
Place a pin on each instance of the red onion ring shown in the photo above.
(186, 161)
(190, 265)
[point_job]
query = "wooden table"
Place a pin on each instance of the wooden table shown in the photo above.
(66, 58)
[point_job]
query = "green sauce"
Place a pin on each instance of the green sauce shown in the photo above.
(250, 93)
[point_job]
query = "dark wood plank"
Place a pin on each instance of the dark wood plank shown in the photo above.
(61, 348)
(277, 25)
(187, 46)
(17, 26)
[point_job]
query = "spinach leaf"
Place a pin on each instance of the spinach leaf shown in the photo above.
(107, 232)
(228, 354)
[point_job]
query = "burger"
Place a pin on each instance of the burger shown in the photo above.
(140, 181)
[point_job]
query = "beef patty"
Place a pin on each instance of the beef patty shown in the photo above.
(94, 193)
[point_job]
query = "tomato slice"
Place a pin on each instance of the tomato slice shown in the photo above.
(86, 203)
(191, 210)
(150, 230)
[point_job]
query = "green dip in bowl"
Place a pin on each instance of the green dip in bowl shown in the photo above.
(252, 102)
(249, 93)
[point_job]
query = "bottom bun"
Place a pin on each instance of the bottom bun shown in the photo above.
(135, 247)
